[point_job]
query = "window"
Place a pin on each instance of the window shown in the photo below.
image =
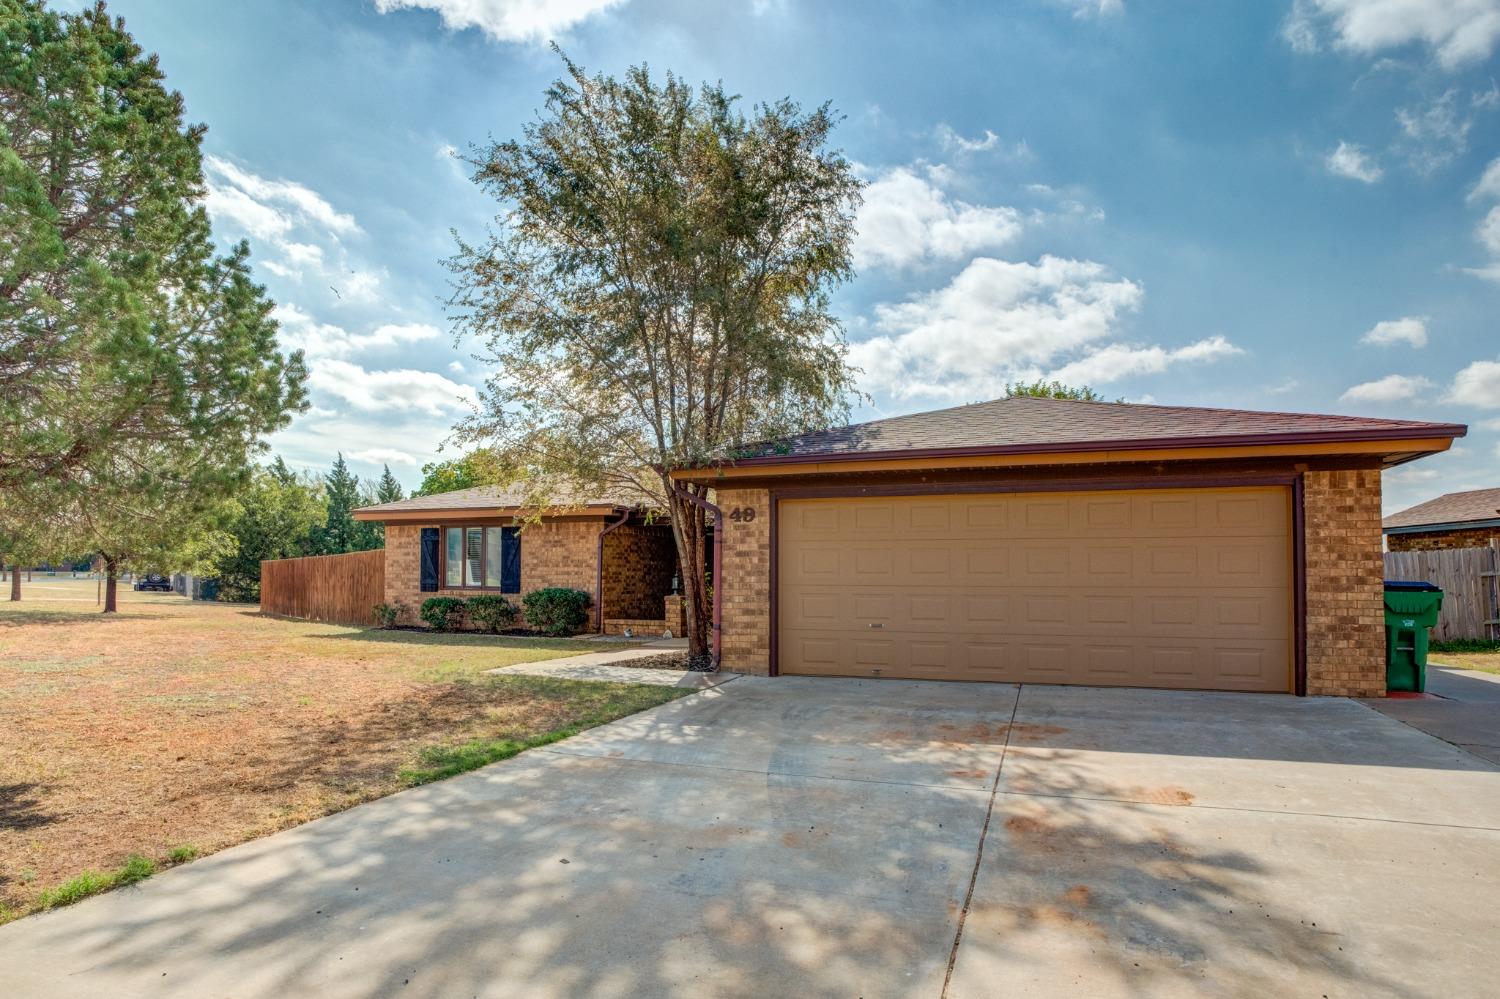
(482, 558)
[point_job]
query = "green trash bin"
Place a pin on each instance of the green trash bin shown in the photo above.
(1411, 608)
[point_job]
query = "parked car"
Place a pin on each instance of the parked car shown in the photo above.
(153, 581)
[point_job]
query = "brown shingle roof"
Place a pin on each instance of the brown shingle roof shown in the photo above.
(494, 498)
(1027, 423)
(1451, 508)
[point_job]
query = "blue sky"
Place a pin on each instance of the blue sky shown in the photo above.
(1286, 205)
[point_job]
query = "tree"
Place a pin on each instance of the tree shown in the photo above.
(389, 489)
(655, 291)
(119, 324)
(340, 529)
(276, 516)
(471, 470)
(1043, 389)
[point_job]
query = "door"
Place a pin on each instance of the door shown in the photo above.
(1181, 588)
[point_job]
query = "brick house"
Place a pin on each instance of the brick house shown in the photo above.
(1454, 520)
(1052, 541)
(485, 540)
(1021, 540)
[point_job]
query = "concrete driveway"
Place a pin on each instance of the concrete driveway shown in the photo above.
(854, 838)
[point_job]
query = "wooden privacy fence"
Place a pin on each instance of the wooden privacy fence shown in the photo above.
(1470, 581)
(339, 589)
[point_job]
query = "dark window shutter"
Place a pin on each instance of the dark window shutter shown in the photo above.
(429, 559)
(510, 560)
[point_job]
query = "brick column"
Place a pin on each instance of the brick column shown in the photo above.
(1345, 594)
(746, 586)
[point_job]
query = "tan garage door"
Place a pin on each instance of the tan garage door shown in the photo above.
(1187, 588)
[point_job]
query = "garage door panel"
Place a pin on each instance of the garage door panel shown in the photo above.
(1180, 588)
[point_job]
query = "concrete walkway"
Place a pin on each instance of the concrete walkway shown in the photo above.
(613, 667)
(1465, 711)
(809, 837)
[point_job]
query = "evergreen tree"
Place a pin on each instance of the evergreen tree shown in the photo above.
(340, 530)
(389, 490)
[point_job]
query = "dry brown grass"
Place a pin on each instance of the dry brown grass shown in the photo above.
(176, 723)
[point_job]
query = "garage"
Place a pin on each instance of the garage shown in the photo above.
(1182, 588)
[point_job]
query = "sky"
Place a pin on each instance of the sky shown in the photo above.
(1289, 205)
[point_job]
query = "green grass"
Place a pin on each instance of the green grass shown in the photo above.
(182, 854)
(76, 889)
(1466, 645)
(599, 703)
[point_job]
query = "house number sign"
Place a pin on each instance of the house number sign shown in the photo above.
(742, 514)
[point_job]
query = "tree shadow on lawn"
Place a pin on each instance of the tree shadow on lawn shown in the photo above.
(20, 809)
(24, 618)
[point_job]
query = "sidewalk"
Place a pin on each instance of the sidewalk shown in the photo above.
(608, 666)
(1466, 711)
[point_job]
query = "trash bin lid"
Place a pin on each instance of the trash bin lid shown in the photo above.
(1410, 586)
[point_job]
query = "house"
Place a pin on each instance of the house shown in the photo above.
(472, 541)
(1054, 541)
(1454, 520)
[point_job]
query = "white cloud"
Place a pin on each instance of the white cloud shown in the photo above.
(455, 367)
(1351, 161)
(300, 331)
(996, 321)
(1477, 385)
(1488, 185)
(290, 201)
(1435, 133)
(1408, 329)
(1116, 361)
(400, 389)
(952, 140)
(1092, 8)
(1391, 388)
(1456, 31)
(907, 218)
(1413, 475)
(384, 456)
(1285, 387)
(507, 20)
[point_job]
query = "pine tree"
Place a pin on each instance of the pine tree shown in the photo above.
(340, 529)
(389, 490)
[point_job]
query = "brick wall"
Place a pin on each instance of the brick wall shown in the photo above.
(560, 553)
(746, 586)
(1345, 615)
(1479, 537)
(639, 563)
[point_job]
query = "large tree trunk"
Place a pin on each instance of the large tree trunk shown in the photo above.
(688, 531)
(15, 582)
(111, 573)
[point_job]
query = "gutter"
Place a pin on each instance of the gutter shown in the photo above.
(718, 608)
(1457, 525)
(599, 571)
(1450, 430)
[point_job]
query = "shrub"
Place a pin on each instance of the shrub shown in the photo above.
(490, 612)
(557, 610)
(386, 615)
(442, 613)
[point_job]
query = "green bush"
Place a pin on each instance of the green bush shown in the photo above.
(1466, 645)
(386, 615)
(490, 612)
(442, 613)
(557, 610)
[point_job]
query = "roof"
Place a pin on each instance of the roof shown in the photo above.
(493, 499)
(1026, 423)
(1449, 509)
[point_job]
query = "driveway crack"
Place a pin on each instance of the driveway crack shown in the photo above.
(984, 832)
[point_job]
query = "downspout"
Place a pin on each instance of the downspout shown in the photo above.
(599, 570)
(718, 609)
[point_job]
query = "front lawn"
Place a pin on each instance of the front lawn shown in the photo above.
(173, 729)
(1466, 654)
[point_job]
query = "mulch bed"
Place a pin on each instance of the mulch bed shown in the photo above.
(681, 662)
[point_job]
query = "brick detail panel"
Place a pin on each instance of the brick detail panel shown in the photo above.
(560, 553)
(639, 563)
(675, 609)
(746, 586)
(1476, 537)
(1345, 602)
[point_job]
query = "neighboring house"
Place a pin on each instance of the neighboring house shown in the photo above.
(1052, 541)
(468, 541)
(1455, 520)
